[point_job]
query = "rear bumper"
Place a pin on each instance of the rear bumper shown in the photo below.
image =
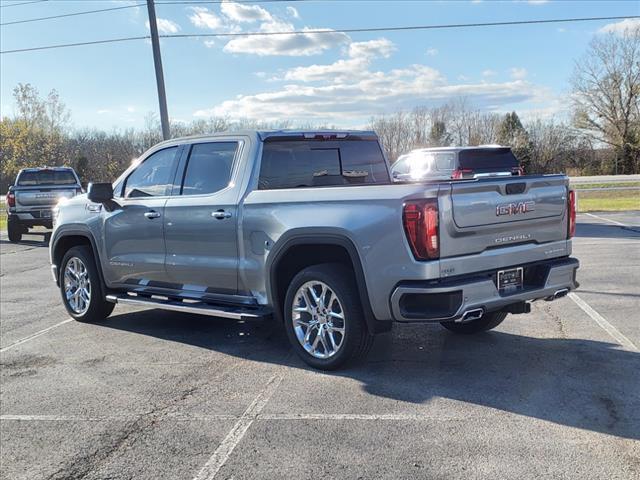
(450, 299)
(33, 218)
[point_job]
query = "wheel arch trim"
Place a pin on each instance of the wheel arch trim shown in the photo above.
(76, 231)
(328, 237)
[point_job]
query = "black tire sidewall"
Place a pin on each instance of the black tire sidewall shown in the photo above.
(339, 280)
(99, 308)
(14, 230)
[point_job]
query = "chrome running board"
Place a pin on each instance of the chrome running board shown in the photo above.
(188, 306)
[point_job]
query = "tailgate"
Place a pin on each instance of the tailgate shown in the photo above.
(495, 213)
(41, 196)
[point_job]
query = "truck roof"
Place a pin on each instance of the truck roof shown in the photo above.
(264, 134)
(38, 169)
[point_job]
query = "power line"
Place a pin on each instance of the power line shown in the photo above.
(85, 12)
(23, 3)
(327, 31)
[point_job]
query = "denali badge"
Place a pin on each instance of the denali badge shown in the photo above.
(515, 208)
(521, 237)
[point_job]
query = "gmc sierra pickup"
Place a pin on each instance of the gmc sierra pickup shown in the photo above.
(309, 228)
(34, 194)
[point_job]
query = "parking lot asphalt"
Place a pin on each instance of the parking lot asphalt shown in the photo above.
(149, 394)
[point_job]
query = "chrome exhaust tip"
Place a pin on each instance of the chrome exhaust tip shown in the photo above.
(471, 315)
(557, 294)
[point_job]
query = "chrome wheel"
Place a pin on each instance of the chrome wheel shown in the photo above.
(318, 319)
(77, 286)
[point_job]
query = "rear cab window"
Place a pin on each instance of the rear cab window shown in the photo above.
(46, 177)
(294, 163)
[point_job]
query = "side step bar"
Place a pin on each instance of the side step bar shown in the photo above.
(201, 308)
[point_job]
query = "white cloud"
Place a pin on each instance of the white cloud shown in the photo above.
(432, 52)
(165, 26)
(344, 97)
(203, 18)
(360, 56)
(537, 2)
(380, 47)
(489, 73)
(209, 43)
(244, 13)
(130, 109)
(518, 73)
(292, 12)
(103, 111)
(303, 44)
(623, 27)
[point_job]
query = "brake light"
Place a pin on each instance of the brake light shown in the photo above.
(459, 173)
(420, 221)
(572, 214)
(11, 199)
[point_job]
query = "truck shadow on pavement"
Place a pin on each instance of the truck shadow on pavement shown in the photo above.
(578, 383)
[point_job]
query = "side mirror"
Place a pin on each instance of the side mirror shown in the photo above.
(100, 192)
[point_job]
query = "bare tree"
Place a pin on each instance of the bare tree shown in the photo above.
(606, 88)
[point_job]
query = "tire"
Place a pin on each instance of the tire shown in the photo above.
(82, 262)
(354, 341)
(14, 230)
(483, 324)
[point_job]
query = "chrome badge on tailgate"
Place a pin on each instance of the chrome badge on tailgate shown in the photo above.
(515, 208)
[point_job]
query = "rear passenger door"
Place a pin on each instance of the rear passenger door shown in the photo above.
(201, 222)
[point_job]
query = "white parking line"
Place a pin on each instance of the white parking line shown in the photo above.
(600, 320)
(35, 335)
(607, 220)
(224, 450)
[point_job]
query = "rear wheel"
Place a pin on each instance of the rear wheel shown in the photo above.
(324, 318)
(80, 286)
(484, 323)
(14, 230)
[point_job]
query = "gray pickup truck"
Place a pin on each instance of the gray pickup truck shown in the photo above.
(34, 194)
(309, 228)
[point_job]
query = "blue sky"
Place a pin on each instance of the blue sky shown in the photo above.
(334, 78)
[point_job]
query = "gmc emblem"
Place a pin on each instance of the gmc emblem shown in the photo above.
(515, 208)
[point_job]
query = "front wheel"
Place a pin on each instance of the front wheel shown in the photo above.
(323, 317)
(80, 286)
(484, 323)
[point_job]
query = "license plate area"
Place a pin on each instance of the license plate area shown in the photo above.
(511, 280)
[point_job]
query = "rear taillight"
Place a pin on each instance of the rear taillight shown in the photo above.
(420, 220)
(11, 199)
(459, 173)
(571, 230)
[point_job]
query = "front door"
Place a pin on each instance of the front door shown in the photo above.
(134, 242)
(201, 224)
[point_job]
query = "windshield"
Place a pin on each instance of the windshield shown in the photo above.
(47, 177)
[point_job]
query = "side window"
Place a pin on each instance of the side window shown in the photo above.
(445, 161)
(154, 176)
(209, 167)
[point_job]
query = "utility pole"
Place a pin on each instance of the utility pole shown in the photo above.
(157, 61)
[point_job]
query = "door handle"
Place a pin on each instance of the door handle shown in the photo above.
(221, 214)
(151, 214)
